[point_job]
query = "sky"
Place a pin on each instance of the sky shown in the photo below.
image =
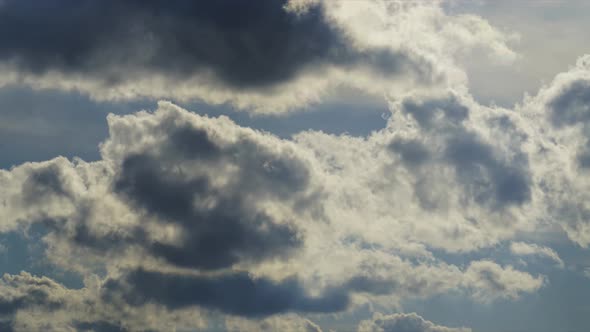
(295, 165)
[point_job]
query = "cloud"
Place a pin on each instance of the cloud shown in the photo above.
(563, 137)
(186, 212)
(25, 290)
(186, 216)
(155, 36)
(527, 249)
(403, 323)
(31, 303)
(479, 169)
(236, 294)
(445, 173)
(115, 42)
(273, 57)
(489, 281)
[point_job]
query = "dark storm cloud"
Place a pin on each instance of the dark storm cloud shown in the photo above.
(243, 43)
(485, 175)
(237, 294)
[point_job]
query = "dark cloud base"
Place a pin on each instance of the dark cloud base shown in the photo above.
(244, 44)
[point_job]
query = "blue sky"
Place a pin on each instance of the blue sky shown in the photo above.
(394, 166)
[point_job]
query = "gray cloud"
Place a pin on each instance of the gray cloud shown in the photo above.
(28, 291)
(488, 177)
(179, 203)
(237, 294)
(572, 107)
(212, 237)
(244, 44)
(24, 291)
(175, 182)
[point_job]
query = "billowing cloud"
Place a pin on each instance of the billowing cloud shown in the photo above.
(403, 323)
(188, 221)
(187, 212)
(444, 169)
(561, 110)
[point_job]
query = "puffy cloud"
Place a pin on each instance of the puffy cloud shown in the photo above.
(403, 323)
(187, 211)
(489, 281)
(269, 56)
(562, 136)
(231, 198)
(30, 303)
(528, 249)
(446, 172)
(186, 215)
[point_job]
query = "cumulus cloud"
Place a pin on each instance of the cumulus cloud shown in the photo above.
(444, 169)
(186, 217)
(403, 323)
(562, 134)
(489, 281)
(30, 303)
(185, 211)
(269, 56)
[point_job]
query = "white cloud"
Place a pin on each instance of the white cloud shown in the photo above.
(560, 115)
(491, 281)
(528, 249)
